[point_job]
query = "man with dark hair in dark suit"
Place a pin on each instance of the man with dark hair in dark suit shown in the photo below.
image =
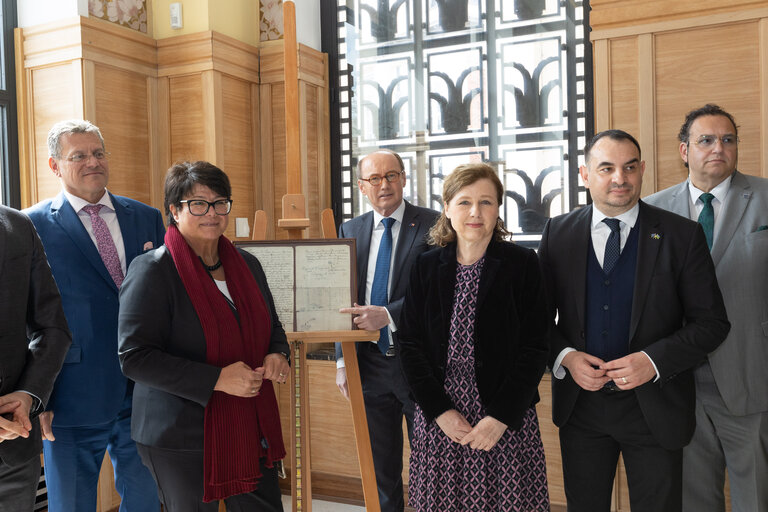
(388, 240)
(638, 307)
(33, 342)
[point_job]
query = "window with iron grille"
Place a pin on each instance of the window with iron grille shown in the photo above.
(9, 157)
(447, 82)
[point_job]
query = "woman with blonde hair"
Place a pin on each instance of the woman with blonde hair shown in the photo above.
(473, 345)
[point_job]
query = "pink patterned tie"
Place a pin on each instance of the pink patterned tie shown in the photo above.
(105, 243)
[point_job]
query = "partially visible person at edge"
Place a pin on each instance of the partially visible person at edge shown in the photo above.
(473, 344)
(732, 383)
(199, 334)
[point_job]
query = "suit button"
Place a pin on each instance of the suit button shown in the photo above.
(581, 334)
(605, 307)
(607, 282)
(605, 333)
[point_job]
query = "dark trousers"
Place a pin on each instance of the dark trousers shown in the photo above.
(385, 394)
(601, 426)
(179, 477)
(18, 485)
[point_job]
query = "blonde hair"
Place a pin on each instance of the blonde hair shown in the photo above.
(442, 233)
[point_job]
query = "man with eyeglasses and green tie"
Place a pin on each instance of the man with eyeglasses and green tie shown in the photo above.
(91, 236)
(732, 383)
(389, 239)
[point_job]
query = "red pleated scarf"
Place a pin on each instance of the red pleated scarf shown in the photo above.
(234, 426)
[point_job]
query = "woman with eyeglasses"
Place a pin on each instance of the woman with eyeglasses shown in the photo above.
(199, 334)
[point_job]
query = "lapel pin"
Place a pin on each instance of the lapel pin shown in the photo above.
(413, 224)
(656, 236)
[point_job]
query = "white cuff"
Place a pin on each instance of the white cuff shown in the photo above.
(558, 371)
(340, 363)
(654, 365)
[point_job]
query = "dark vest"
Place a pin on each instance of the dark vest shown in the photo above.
(609, 302)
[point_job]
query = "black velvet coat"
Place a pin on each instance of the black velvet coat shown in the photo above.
(510, 331)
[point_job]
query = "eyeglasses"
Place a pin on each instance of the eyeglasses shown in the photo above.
(77, 158)
(707, 141)
(391, 177)
(198, 207)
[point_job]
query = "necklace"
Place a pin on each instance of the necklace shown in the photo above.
(211, 268)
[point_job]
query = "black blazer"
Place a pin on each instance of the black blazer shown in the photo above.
(677, 318)
(510, 331)
(34, 338)
(162, 348)
(410, 243)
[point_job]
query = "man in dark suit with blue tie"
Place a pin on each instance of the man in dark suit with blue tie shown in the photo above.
(388, 240)
(637, 304)
(91, 237)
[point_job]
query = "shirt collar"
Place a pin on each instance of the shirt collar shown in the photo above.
(629, 217)
(78, 202)
(720, 191)
(397, 215)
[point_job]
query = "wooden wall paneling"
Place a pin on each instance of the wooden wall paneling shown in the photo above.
(324, 142)
(715, 64)
(55, 95)
(602, 78)
(158, 105)
(266, 158)
(27, 171)
(646, 92)
(624, 95)
(212, 116)
(186, 118)
(631, 14)
(237, 151)
(119, 102)
(763, 52)
(551, 440)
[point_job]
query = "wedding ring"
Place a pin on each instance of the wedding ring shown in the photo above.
(253, 391)
(624, 380)
(282, 375)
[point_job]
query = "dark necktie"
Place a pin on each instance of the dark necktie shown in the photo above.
(105, 243)
(612, 245)
(381, 278)
(707, 217)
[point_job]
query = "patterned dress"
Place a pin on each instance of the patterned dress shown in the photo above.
(448, 477)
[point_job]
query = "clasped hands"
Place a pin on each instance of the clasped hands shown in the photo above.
(592, 373)
(14, 415)
(239, 379)
(482, 436)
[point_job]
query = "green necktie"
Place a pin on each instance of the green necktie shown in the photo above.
(707, 217)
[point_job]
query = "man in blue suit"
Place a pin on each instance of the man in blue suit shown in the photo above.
(91, 237)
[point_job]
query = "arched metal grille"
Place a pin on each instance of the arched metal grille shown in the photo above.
(445, 82)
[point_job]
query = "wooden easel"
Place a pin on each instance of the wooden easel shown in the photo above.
(294, 220)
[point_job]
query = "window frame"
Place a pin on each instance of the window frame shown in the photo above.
(9, 145)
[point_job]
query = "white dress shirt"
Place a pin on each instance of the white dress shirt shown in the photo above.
(109, 215)
(373, 252)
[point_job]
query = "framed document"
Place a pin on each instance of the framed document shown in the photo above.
(310, 281)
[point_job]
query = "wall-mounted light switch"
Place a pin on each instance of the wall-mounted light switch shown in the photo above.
(241, 227)
(176, 20)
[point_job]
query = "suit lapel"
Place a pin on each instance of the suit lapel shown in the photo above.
(733, 210)
(64, 215)
(363, 238)
(490, 271)
(681, 201)
(408, 231)
(125, 218)
(578, 246)
(447, 284)
(650, 238)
